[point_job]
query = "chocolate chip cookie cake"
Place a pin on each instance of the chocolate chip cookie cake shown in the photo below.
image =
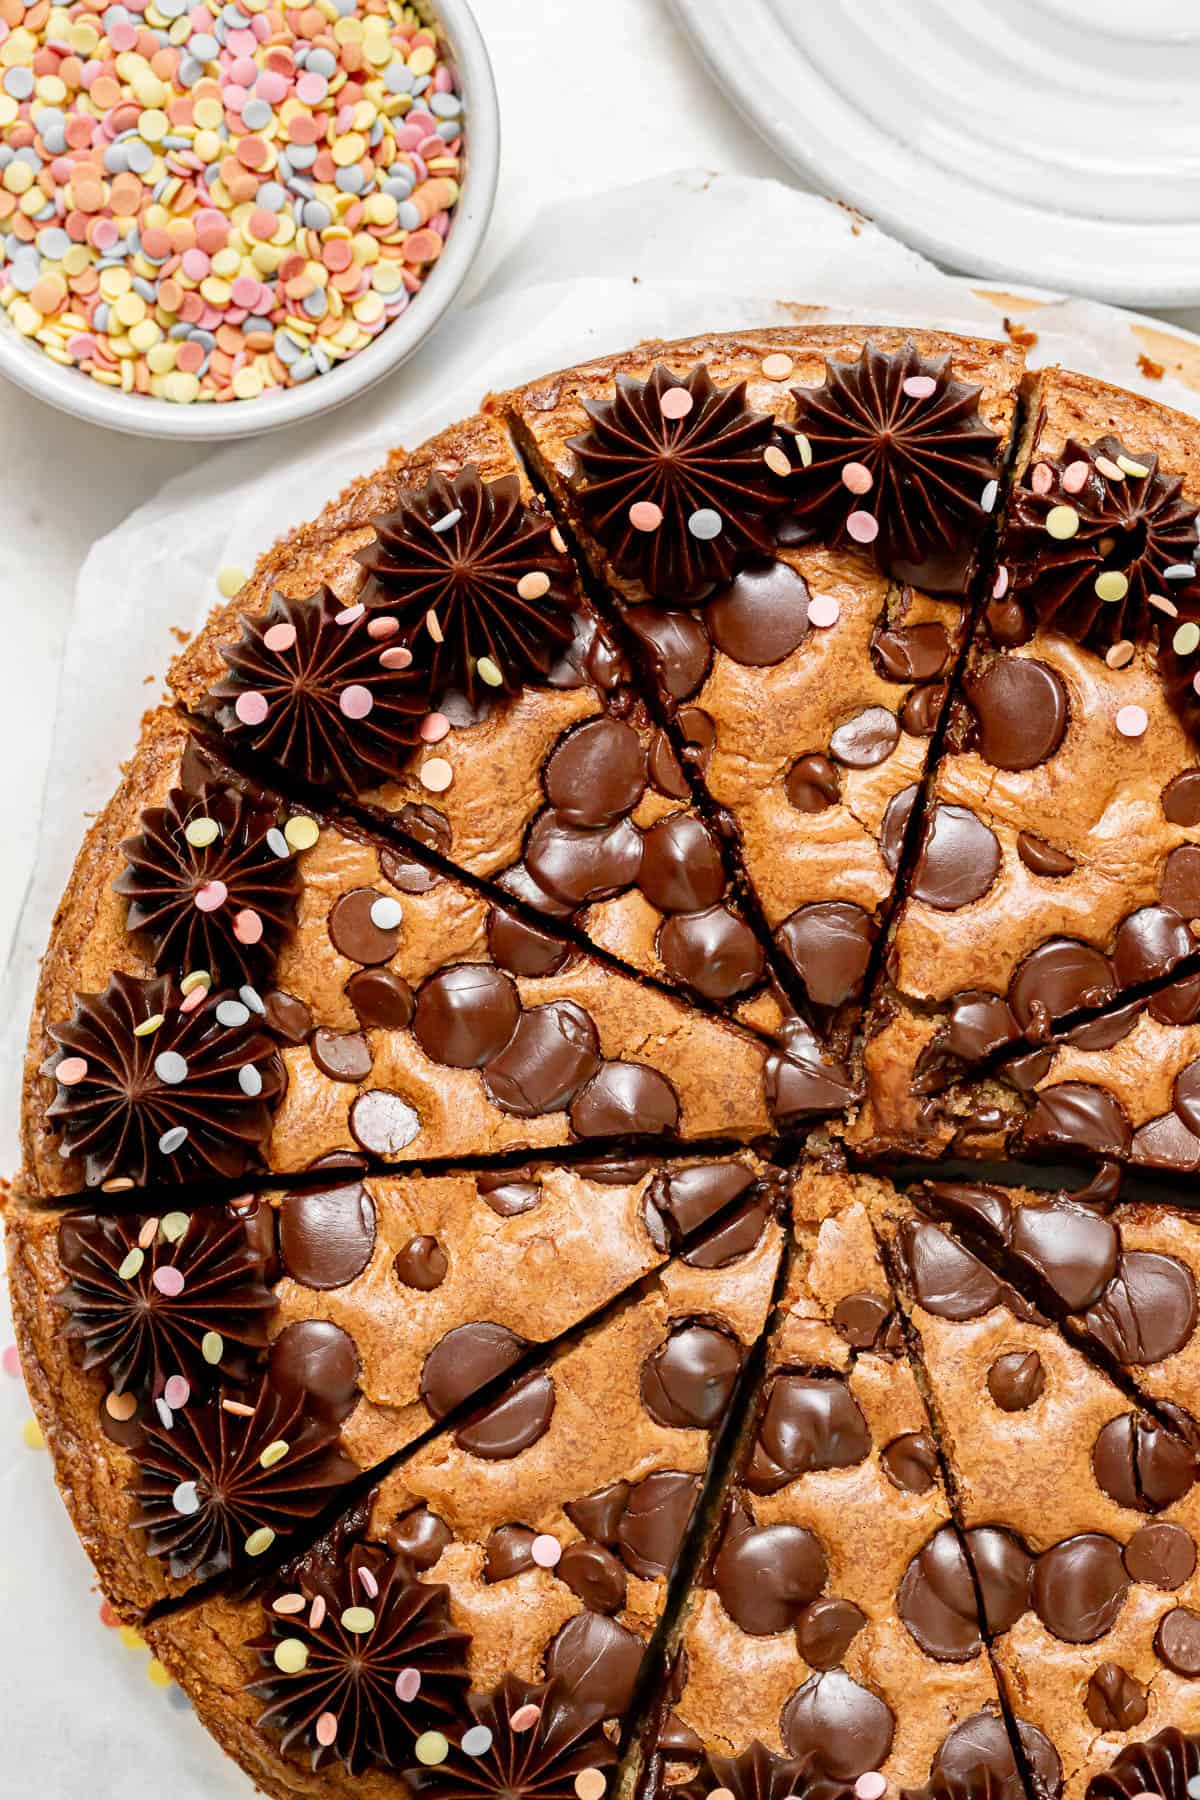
(612, 1107)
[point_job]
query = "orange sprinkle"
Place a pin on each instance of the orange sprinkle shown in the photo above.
(89, 194)
(124, 196)
(422, 246)
(47, 296)
(105, 92)
(262, 224)
(252, 153)
(189, 357)
(229, 339)
(170, 295)
(337, 254)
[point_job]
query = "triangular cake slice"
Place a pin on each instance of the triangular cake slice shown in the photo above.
(544, 1531)
(791, 524)
(355, 1303)
(1081, 1509)
(236, 982)
(512, 742)
(836, 1624)
(1060, 862)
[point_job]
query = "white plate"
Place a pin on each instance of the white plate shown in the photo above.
(1055, 141)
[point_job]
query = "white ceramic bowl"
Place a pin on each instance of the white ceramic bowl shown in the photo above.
(73, 392)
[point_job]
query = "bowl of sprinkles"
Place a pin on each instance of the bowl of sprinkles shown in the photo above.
(207, 203)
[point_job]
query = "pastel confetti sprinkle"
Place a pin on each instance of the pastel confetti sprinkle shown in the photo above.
(279, 637)
(196, 978)
(857, 478)
(301, 833)
(1075, 477)
(173, 1226)
(477, 1741)
(132, 1640)
(398, 657)
(705, 524)
(824, 610)
(358, 1620)
(546, 1551)
(250, 1081)
(408, 1685)
(71, 1070)
(147, 1233)
(251, 707)
(1042, 478)
(676, 403)
(203, 203)
(989, 496)
(288, 1603)
(108, 1617)
(920, 387)
(1127, 466)
(232, 1014)
(171, 1068)
(1132, 721)
(431, 1748)
(434, 727)
(386, 913)
(1000, 585)
(525, 1718)
(777, 366)
(31, 1432)
(776, 461)
(1111, 585)
(368, 1583)
(590, 1784)
(1186, 639)
(120, 1407)
(260, 1541)
(186, 1499)
(131, 1263)
(1062, 522)
(1119, 655)
(804, 449)
(230, 581)
(1179, 572)
(201, 832)
(355, 702)
(863, 527)
(436, 775)
(644, 515)
(488, 672)
(870, 1786)
(326, 1729)
(11, 1361)
(533, 585)
(291, 1655)
(274, 1453)
(177, 1392)
(157, 1673)
(247, 926)
(1108, 468)
(386, 626)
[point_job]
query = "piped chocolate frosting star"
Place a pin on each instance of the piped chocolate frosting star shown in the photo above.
(527, 1742)
(1165, 1764)
(762, 1774)
(1099, 545)
(223, 1481)
(675, 482)
(361, 1660)
(152, 1085)
(891, 453)
(212, 882)
(477, 580)
(325, 690)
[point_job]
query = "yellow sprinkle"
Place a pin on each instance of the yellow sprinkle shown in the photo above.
(231, 580)
(259, 1540)
(200, 832)
(805, 450)
(422, 60)
(431, 1748)
(132, 1639)
(274, 1453)
(31, 1431)
(291, 1655)
(358, 1619)
(778, 366)
(1111, 585)
(1062, 522)
(212, 1347)
(1128, 467)
(174, 1224)
(153, 125)
(226, 262)
(208, 114)
(115, 282)
(301, 832)
(130, 309)
(195, 978)
(150, 1025)
(17, 177)
(181, 387)
(776, 461)
(156, 1673)
(247, 383)
(131, 1264)
(488, 672)
(1186, 639)
(436, 774)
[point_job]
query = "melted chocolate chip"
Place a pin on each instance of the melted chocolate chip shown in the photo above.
(911, 652)
(1076, 1115)
(1071, 1247)
(1162, 1555)
(1020, 708)
(511, 1424)
(1016, 1380)
(867, 739)
(326, 1239)
(936, 1600)
(1041, 858)
(595, 1576)
(812, 784)
(287, 1018)
(1003, 1568)
(1148, 1311)
(624, 1097)
(576, 866)
(1185, 1097)
(1114, 1700)
(341, 1055)
(923, 708)
(1103, 1033)
(689, 1379)
(686, 1199)
(664, 768)
(825, 1631)
(1149, 944)
(353, 932)
(421, 1264)
(520, 948)
(678, 644)
(861, 1318)
(381, 1000)
(466, 1014)
(910, 1462)
(1181, 881)
(846, 1728)
(1079, 1587)
(1181, 798)
(552, 1053)
(508, 1195)
(1177, 1641)
(599, 1515)
(979, 1749)
(598, 1661)
(1141, 1465)
(812, 1422)
(1059, 977)
(761, 617)
(420, 1536)
(979, 1024)
(734, 1237)
(714, 952)
(508, 1552)
(681, 867)
(958, 861)
(464, 1361)
(655, 1518)
(596, 773)
(829, 945)
(316, 1360)
(766, 1576)
(699, 733)
(431, 829)
(895, 826)
(946, 1279)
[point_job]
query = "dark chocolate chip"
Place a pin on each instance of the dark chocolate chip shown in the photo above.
(431, 829)
(1103, 1033)
(287, 1018)
(624, 1097)
(551, 1055)
(1016, 1380)
(466, 1014)
(689, 1379)
(867, 739)
(1070, 1246)
(520, 948)
(1139, 1464)
(599, 1515)
(1185, 1097)
(813, 1422)
(597, 1660)
(761, 617)
(979, 1750)
(381, 1000)
(353, 932)
(422, 1264)
(958, 860)
(846, 1728)
(341, 1055)
(936, 1600)
(681, 868)
(1148, 1311)
(1161, 1554)
(825, 1631)
(316, 1360)
(1003, 1568)
(595, 1576)
(699, 733)
(596, 773)
(1079, 1587)
(1149, 944)
(465, 1360)
(1075, 1115)
(812, 784)
(922, 709)
(979, 1025)
(766, 1576)
(829, 945)
(1181, 798)
(911, 652)
(664, 768)
(714, 952)
(656, 1516)
(508, 1552)
(1181, 881)
(910, 1462)
(576, 865)
(511, 1424)
(736, 1235)
(1115, 1701)
(1177, 1641)
(508, 1194)
(326, 1239)
(420, 1536)
(688, 1198)
(1057, 978)
(860, 1318)
(1020, 708)
(1041, 858)
(895, 826)
(678, 644)
(946, 1279)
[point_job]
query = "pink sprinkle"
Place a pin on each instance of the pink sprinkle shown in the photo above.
(396, 658)
(279, 637)
(11, 1361)
(370, 1586)
(863, 527)
(1042, 479)
(1075, 477)
(211, 897)
(1000, 585)
(355, 701)
(348, 615)
(823, 611)
(123, 37)
(81, 346)
(251, 708)
(545, 1550)
(192, 1000)
(234, 95)
(383, 625)
(71, 1069)
(858, 478)
(525, 1718)
(177, 1393)
(311, 88)
(327, 1729)
(408, 1684)
(195, 264)
(644, 515)
(676, 403)
(1196, 682)
(870, 1786)
(920, 387)
(1131, 721)
(245, 290)
(316, 1613)
(271, 86)
(244, 71)
(247, 926)
(104, 234)
(434, 727)
(169, 1281)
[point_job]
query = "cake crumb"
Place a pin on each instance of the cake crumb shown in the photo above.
(1153, 371)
